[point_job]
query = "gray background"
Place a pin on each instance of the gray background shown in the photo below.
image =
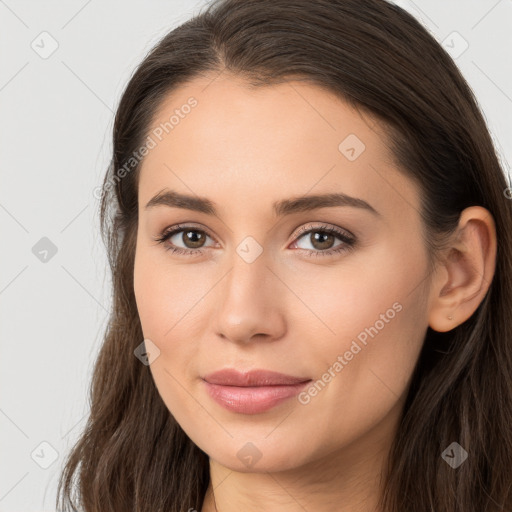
(56, 121)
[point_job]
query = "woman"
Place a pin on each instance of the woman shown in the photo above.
(311, 245)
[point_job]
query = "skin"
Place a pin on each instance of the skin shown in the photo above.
(244, 149)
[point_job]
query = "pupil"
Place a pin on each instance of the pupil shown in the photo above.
(324, 239)
(193, 237)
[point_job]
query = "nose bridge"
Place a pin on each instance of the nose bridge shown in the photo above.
(248, 281)
(249, 297)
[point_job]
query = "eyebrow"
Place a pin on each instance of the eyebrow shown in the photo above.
(174, 199)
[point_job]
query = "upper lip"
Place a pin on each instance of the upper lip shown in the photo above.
(232, 377)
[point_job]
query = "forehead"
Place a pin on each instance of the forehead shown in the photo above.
(219, 137)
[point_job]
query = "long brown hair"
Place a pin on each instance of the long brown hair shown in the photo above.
(132, 454)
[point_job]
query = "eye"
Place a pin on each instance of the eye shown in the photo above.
(322, 239)
(192, 237)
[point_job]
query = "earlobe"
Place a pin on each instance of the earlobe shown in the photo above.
(467, 273)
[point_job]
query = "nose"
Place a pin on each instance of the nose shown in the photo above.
(250, 303)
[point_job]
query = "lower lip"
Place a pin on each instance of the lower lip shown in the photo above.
(252, 400)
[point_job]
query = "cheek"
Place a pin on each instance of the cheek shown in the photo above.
(166, 312)
(171, 306)
(372, 312)
(165, 293)
(364, 362)
(149, 301)
(351, 296)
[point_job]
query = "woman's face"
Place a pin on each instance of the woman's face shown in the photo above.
(259, 284)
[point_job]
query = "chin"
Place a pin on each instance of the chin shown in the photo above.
(257, 456)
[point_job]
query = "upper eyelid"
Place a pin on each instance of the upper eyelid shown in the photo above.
(324, 227)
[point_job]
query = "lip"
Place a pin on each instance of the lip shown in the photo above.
(252, 392)
(232, 377)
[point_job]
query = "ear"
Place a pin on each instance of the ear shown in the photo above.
(466, 272)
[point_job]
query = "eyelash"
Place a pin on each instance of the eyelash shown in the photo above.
(347, 245)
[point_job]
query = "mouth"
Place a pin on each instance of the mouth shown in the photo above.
(252, 392)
